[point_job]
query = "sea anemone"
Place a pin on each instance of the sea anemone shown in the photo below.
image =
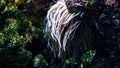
(61, 26)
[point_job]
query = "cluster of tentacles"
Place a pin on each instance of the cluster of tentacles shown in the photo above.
(61, 26)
